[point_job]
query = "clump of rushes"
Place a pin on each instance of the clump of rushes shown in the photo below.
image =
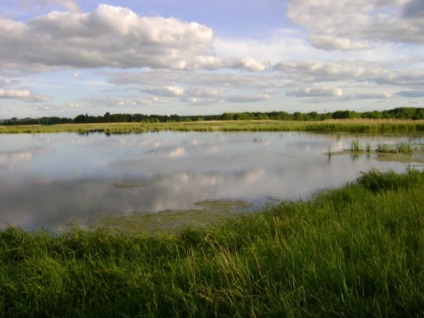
(368, 149)
(350, 252)
(355, 146)
(404, 148)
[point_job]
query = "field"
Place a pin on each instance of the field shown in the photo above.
(328, 126)
(356, 251)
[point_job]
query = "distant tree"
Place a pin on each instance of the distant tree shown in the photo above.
(372, 115)
(345, 114)
(298, 116)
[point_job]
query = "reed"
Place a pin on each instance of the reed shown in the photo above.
(327, 126)
(404, 148)
(356, 147)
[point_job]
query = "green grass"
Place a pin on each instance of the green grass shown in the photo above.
(327, 126)
(357, 251)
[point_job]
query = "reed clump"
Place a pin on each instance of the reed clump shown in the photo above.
(403, 148)
(356, 251)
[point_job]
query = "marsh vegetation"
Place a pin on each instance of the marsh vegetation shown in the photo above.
(402, 152)
(370, 126)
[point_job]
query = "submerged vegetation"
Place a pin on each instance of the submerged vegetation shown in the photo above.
(355, 251)
(205, 213)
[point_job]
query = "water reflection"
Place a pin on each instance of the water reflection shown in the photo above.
(66, 177)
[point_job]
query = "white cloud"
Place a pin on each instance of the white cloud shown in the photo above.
(203, 92)
(199, 79)
(23, 94)
(314, 71)
(398, 73)
(329, 42)
(113, 37)
(127, 101)
(347, 24)
(11, 93)
(165, 91)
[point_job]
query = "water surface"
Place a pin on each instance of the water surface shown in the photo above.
(51, 180)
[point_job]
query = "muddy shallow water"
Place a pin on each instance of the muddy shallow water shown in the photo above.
(52, 180)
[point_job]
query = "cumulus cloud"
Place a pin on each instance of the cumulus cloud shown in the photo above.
(127, 101)
(412, 93)
(347, 24)
(113, 36)
(166, 91)
(312, 71)
(199, 79)
(414, 9)
(204, 96)
(70, 5)
(362, 96)
(24, 95)
(247, 98)
(316, 92)
(329, 42)
(223, 98)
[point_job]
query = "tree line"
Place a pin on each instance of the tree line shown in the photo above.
(396, 113)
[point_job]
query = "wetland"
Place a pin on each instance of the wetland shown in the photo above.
(159, 179)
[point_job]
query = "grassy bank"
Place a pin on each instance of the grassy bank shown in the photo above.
(327, 126)
(357, 251)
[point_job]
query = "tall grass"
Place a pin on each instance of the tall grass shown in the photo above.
(355, 251)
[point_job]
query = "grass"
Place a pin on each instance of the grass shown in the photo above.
(352, 252)
(327, 126)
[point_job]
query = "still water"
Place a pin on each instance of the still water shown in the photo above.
(50, 180)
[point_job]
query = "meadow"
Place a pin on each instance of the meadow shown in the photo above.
(356, 251)
(325, 126)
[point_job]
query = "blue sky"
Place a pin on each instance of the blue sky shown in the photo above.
(69, 57)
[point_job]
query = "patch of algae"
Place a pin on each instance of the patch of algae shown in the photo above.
(204, 214)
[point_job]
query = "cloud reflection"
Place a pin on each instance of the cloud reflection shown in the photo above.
(79, 181)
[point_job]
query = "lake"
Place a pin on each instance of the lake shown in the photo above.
(51, 180)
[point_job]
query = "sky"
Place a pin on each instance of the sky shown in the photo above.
(69, 57)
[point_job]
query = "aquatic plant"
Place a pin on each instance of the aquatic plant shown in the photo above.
(368, 148)
(355, 146)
